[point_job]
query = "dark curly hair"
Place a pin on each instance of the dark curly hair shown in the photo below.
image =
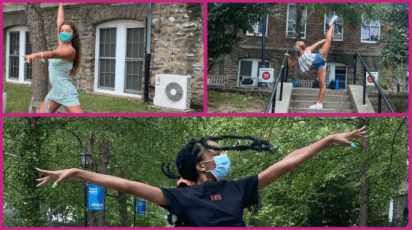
(192, 153)
(76, 45)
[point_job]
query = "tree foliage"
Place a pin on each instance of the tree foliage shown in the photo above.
(322, 192)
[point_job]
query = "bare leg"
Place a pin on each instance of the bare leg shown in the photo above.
(325, 48)
(53, 106)
(74, 109)
(322, 76)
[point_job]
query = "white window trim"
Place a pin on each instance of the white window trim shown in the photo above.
(369, 32)
(255, 63)
(22, 47)
(340, 64)
(343, 32)
(287, 22)
(259, 34)
(119, 85)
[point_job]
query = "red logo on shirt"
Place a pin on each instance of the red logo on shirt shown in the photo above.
(215, 197)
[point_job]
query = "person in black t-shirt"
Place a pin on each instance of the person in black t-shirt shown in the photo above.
(211, 201)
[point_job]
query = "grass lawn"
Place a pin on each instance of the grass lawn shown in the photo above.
(18, 100)
(223, 102)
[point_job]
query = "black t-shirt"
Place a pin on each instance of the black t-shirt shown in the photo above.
(213, 203)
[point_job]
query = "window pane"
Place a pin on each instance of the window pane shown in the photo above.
(374, 33)
(135, 43)
(375, 23)
(134, 76)
(106, 73)
(14, 43)
(365, 33)
(246, 68)
(107, 42)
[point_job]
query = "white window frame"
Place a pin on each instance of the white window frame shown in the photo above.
(370, 42)
(324, 29)
(255, 68)
(287, 21)
(334, 78)
(259, 34)
(121, 32)
(22, 52)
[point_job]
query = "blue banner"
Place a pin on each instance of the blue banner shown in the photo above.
(96, 197)
(141, 207)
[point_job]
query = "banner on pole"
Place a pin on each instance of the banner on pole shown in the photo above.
(141, 207)
(266, 75)
(96, 197)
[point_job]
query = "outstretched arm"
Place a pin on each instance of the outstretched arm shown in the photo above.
(147, 192)
(300, 156)
(290, 62)
(60, 20)
(312, 47)
(59, 54)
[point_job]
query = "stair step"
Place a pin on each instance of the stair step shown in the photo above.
(314, 97)
(300, 110)
(326, 105)
(316, 91)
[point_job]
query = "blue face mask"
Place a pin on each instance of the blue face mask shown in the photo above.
(222, 169)
(65, 37)
(296, 48)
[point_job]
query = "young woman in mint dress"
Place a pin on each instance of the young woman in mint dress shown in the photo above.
(63, 60)
(209, 200)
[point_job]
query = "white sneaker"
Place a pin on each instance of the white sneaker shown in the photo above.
(332, 21)
(316, 106)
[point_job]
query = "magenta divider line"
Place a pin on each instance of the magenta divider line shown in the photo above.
(1, 122)
(205, 41)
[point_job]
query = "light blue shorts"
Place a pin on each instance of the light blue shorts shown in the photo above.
(319, 62)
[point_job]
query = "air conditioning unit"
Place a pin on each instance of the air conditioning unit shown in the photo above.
(172, 91)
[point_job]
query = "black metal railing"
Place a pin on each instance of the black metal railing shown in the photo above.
(272, 99)
(380, 94)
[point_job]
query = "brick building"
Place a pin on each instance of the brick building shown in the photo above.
(280, 31)
(105, 25)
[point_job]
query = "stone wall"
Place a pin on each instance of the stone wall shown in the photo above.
(400, 207)
(187, 57)
(276, 45)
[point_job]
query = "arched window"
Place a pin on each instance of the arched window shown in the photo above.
(18, 44)
(119, 57)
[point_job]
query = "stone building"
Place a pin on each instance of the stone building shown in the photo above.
(106, 32)
(279, 37)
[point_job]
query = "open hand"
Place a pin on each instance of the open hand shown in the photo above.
(59, 176)
(30, 57)
(342, 138)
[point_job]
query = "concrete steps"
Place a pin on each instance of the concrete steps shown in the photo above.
(334, 101)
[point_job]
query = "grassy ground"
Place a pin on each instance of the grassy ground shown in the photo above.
(18, 99)
(223, 102)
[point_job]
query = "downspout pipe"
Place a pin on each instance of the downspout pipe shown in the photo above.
(148, 55)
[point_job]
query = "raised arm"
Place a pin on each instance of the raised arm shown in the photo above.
(312, 47)
(300, 156)
(60, 20)
(144, 191)
(290, 62)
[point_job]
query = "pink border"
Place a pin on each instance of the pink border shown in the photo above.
(205, 114)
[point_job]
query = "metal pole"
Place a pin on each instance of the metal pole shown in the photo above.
(147, 56)
(263, 44)
(399, 83)
(364, 84)
(274, 102)
(379, 103)
(354, 70)
(134, 212)
(281, 86)
(287, 71)
(85, 204)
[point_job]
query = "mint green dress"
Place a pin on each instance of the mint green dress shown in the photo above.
(63, 90)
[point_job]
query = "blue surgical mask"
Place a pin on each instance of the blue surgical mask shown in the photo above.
(222, 169)
(296, 48)
(65, 37)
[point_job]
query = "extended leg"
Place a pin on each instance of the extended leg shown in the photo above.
(325, 48)
(74, 109)
(53, 106)
(322, 76)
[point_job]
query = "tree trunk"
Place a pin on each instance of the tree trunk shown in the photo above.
(364, 189)
(91, 215)
(104, 149)
(39, 84)
(122, 198)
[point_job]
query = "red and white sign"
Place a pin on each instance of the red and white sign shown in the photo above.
(266, 75)
(369, 80)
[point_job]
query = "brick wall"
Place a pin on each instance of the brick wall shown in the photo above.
(186, 39)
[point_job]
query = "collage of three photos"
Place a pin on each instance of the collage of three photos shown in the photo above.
(205, 114)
